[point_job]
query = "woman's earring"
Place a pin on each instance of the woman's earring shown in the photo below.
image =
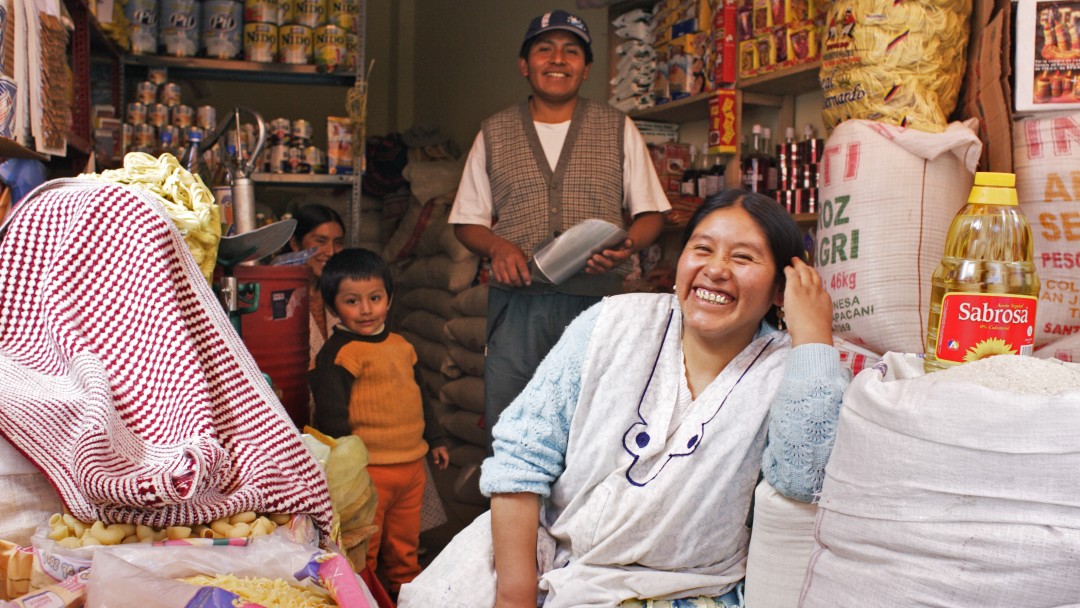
(780, 318)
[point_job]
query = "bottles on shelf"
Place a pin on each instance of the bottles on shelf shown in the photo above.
(758, 167)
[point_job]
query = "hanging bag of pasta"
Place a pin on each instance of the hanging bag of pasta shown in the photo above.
(894, 61)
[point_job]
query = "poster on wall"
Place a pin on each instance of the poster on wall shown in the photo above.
(1047, 55)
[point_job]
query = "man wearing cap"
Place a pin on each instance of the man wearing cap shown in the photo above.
(535, 170)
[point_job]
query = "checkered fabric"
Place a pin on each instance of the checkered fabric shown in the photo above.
(121, 377)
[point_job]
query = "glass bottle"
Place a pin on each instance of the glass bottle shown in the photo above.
(985, 290)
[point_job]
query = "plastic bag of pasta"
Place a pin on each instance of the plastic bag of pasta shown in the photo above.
(187, 200)
(900, 63)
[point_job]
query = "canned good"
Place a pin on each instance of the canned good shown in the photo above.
(206, 117)
(182, 116)
(136, 113)
(143, 16)
(157, 114)
(222, 21)
(295, 44)
(311, 13)
(353, 52)
(294, 160)
(180, 20)
(330, 42)
(168, 138)
(169, 94)
(262, 11)
(301, 132)
(280, 129)
(127, 137)
(247, 138)
(345, 13)
(286, 12)
(260, 42)
(145, 135)
(315, 158)
(277, 157)
(146, 92)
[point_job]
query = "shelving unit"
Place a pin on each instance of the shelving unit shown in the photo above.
(302, 179)
(89, 41)
(228, 69)
(10, 148)
(775, 91)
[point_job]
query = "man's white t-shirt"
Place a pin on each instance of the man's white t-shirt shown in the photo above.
(642, 191)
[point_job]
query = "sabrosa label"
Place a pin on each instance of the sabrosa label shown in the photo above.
(976, 326)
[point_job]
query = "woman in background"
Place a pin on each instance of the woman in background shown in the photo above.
(319, 227)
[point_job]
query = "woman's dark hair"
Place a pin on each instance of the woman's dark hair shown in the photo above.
(310, 217)
(781, 231)
(356, 264)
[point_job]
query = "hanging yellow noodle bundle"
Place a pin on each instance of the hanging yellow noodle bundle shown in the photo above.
(187, 200)
(896, 62)
(270, 593)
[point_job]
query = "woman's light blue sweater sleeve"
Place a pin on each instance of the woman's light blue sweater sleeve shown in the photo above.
(802, 421)
(531, 436)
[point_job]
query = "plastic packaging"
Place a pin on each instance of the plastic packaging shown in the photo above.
(985, 290)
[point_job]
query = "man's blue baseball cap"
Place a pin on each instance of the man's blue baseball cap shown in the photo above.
(558, 20)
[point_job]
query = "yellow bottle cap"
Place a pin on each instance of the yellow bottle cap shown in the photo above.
(993, 189)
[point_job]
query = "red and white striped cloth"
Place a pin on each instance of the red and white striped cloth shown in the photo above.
(121, 377)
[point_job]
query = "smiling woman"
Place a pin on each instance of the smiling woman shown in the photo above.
(649, 397)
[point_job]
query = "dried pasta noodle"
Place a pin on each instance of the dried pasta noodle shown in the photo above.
(899, 63)
(186, 198)
(271, 593)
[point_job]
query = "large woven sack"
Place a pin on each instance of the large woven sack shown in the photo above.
(426, 324)
(470, 332)
(1046, 155)
(466, 392)
(888, 196)
(438, 301)
(473, 301)
(951, 489)
(429, 354)
(439, 271)
(781, 543)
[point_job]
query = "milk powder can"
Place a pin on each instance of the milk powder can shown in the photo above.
(985, 289)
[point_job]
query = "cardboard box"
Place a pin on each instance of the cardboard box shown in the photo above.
(748, 58)
(670, 161)
(986, 91)
(723, 137)
(1047, 55)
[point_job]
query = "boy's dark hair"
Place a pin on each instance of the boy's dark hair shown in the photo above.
(356, 264)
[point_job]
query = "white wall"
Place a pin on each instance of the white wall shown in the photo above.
(466, 60)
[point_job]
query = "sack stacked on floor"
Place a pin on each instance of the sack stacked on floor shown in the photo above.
(464, 391)
(433, 270)
(1046, 157)
(956, 487)
(880, 235)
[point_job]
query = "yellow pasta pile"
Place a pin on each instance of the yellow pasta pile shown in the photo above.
(72, 533)
(187, 200)
(271, 593)
(900, 63)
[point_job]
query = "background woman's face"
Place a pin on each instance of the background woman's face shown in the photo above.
(329, 238)
(726, 277)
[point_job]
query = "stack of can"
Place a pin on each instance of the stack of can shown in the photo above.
(143, 16)
(178, 27)
(290, 149)
(296, 34)
(222, 25)
(261, 21)
(798, 172)
(339, 47)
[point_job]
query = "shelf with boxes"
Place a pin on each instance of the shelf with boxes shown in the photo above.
(710, 65)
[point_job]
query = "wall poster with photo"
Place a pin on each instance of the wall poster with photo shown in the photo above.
(1047, 55)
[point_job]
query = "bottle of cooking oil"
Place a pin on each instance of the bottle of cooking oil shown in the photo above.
(985, 290)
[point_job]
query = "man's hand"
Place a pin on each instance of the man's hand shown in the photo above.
(609, 258)
(509, 264)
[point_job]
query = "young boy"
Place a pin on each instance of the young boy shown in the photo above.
(364, 384)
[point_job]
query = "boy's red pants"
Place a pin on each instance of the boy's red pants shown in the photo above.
(400, 488)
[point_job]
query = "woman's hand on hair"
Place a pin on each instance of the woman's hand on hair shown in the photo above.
(807, 306)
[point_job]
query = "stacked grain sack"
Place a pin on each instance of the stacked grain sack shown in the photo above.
(891, 74)
(433, 276)
(1045, 155)
(375, 224)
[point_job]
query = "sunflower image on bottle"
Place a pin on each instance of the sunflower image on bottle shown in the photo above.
(985, 289)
